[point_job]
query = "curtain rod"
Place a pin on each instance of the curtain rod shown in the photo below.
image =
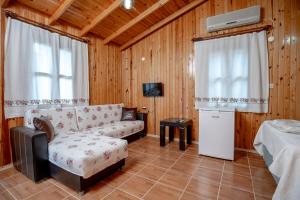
(258, 29)
(43, 26)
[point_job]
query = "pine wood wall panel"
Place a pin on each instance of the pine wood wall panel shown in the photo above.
(104, 72)
(167, 56)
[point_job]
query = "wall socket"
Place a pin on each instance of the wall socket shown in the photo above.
(271, 85)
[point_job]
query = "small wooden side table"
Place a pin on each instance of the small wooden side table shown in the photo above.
(185, 127)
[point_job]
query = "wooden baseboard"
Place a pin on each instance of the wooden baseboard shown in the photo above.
(5, 167)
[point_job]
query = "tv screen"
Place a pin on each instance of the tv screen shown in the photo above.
(152, 89)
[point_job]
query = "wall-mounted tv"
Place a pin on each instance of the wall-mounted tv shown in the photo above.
(152, 89)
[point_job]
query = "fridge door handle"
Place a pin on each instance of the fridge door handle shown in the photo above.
(215, 116)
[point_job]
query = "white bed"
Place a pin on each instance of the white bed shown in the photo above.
(284, 148)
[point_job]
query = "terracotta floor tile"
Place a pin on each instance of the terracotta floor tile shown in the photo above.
(190, 159)
(152, 172)
(190, 196)
(96, 192)
(185, 167)
(257, 163)
(8, 172)
(175, 179)
(170, 155)
(210, 175)
(141, 168)
(203, 188)
(263, 174)
(14, 180)
(70, 198)
(212, 163)
(132, 166)
(117, 178)
(230, 167)
(145, 158)
(264, 188)
(191, 150)
(51, 193)
(6, 196)
(162, 162)
(229, 193)
(137, 186)
(258, 197)
(241, 161)
(119, 195)
(237, 181)
(2, 189)
(161, 192)
(28, 188)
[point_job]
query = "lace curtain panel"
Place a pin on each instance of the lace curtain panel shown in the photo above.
(42, 69)
(232, 72)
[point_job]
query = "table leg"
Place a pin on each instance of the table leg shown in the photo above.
(171, 133)
(189, 134)
(182, 139)
(162, 136)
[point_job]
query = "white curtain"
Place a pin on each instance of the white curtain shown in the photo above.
(42, 69)
(232, 72)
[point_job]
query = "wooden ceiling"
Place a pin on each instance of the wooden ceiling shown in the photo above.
(107, 18)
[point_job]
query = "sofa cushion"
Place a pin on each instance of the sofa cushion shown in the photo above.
(93, 116)
(44, 124)
(118, 129)
(86, 154)
(62, 119)
(129, 114)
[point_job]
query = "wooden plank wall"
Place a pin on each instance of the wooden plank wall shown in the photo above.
(167, 56)
(105, 74)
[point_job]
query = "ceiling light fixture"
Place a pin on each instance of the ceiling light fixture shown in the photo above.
(128, 4)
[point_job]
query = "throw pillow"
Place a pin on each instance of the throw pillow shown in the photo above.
(129, 114)
(44, 124)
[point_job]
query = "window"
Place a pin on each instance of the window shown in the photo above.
(43, 69)
(232, 72)
(228, 82)
(47, 76)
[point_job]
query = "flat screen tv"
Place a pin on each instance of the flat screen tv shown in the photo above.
(152, 89)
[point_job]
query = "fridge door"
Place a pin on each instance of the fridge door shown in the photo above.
(216, 134)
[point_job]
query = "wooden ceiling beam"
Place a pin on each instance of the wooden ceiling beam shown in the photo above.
(163, 22)
(60, 11)
(4, 3)
(100, 17)
(136, 20)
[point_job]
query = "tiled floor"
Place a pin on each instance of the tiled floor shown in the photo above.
(154, 172)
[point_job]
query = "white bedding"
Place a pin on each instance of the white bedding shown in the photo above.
(285, 149)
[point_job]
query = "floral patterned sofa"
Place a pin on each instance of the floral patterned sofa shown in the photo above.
(88, 141)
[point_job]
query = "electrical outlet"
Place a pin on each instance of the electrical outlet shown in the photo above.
(271, 85)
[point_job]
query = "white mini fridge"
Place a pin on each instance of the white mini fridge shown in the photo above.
(216, 133)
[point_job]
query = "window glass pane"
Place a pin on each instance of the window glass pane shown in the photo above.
(44, 87)
(215, 75)
(66, 89)
(240, 88)
(65, 63)
(42, 58)
(215, 66)
(240, 64)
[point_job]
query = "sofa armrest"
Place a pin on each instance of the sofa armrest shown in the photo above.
(30, 152)
(143, 117)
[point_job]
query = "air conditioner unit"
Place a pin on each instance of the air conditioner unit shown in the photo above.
(233, 19)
